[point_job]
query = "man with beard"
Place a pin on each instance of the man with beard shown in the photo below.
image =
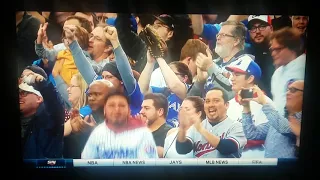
(229, 46)
(154, 110)
(119, 136)
(259, 29)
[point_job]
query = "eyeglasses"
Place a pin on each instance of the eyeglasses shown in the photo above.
(24, 93)
(254, 28)
(277, 50)
(73, 86)
(293, 89)
(223, 35)
(157, 26)
(96, 37)
(179, 74)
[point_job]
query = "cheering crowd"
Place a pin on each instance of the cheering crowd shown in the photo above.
(228, 87)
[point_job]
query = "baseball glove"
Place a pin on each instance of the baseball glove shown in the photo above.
(156, 46)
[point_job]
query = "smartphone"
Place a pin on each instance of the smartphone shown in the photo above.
(85, 111)
(246, 93)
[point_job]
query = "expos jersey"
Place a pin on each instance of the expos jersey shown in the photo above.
(227, 129)
(255, 149)
(106, 144)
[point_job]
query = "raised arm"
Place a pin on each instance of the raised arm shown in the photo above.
(122, 61)
(42, 52)
(79, 57)
(131, 43)
(237, 18)
(172, 80)
(197, 23)
(251, 131)
(207, 31)
(145, 76)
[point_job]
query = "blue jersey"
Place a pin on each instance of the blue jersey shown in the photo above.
(136, 99)
(174, 104)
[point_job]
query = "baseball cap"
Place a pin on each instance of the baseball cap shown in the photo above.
(246, 64)
(167, 20)
(265, 19)
(25, 87)
(38, 70)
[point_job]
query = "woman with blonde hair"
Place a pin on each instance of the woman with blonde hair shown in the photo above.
(74, 140)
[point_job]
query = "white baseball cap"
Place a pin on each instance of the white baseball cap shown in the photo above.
(246, 65)
(28, 88)
(263, 18)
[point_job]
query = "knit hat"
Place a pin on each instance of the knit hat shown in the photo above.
(111, 67)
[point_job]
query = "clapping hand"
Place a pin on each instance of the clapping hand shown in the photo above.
(204, 61)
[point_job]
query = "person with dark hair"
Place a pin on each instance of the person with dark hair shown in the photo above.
(86, 20)
(154, 110)
(191, 105)
(260, 28)
(217, 136)
(177, 76)
(245, 75)
(26, 32)
(120, 136)
(132, 44)
(42, 116)
(184, 32)
(286, 51)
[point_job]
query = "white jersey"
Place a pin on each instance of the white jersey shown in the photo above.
(258, 117)
(170, 150)
(227, 129)
(131, 144)
(157, 79)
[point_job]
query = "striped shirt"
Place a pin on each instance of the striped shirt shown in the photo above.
(279, 141)
(254, 148)
(131, 144)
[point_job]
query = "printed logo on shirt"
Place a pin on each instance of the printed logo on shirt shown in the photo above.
(290, 82)
(175, 106)
(150, 150)
(201, 149)
(120, 153)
